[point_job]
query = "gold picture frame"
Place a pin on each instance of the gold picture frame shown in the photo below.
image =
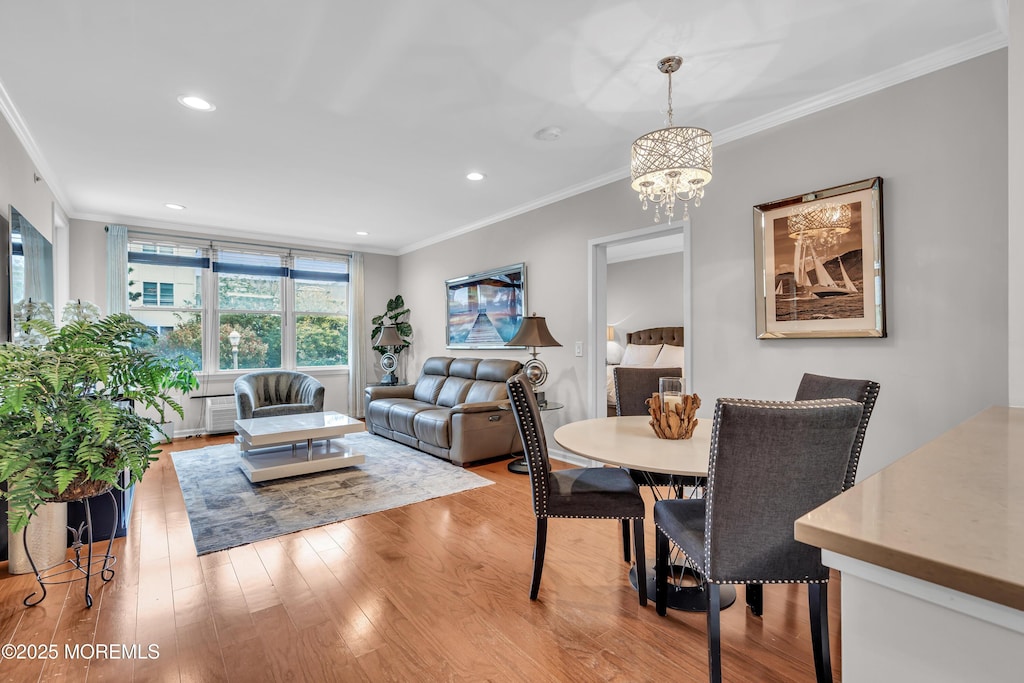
(819, 268)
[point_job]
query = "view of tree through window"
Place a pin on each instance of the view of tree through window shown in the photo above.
(255, 294)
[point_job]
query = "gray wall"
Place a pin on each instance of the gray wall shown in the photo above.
(645, 292)
(939, 141)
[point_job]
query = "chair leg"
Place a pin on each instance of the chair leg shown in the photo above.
(641, 560)
(625, 540)
(714, 633)
(755, 598)
(538, 555)
(817, 601)
(661, 573)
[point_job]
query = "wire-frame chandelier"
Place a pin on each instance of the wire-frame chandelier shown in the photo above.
(672, 163)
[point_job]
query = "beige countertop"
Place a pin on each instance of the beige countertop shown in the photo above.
(951, 512)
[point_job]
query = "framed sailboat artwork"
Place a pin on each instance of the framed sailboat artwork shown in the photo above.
(819, 268)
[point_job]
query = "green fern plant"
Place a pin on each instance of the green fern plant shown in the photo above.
(62, 421)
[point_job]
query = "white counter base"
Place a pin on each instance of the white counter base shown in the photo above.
(899, 628)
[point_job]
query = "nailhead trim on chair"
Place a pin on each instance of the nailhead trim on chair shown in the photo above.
(785, 405)
(532, 449)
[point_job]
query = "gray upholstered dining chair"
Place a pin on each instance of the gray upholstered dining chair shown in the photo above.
(580, 492)
(633, 386)
(268, 393)
(863, 391)
(742, 530)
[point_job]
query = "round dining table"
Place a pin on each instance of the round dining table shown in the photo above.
(630, 441)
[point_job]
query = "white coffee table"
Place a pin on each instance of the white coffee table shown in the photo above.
(268, 445)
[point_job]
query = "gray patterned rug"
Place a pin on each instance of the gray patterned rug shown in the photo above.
(226, 510)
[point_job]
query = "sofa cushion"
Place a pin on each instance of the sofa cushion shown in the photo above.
(486, 391)
(464, 367)
(431, 426)
(395, 413)
(497, 369)
(454, 391)
(284, 409)
(435, 372)
(402, 414)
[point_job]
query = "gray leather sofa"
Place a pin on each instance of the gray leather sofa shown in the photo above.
(454, 410)
(267, 393)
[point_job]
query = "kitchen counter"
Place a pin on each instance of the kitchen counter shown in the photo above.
(931, 551)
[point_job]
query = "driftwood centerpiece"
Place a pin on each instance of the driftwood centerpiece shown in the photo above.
(675, 420)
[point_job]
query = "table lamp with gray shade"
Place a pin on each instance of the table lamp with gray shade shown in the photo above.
(533, 332)
(389, 338)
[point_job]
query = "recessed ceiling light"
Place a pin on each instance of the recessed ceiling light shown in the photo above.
(362, 233)
(195, 103)
(176, 207)
(548, 134)
(475, 175)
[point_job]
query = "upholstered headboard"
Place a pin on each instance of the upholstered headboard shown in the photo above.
(657, 335)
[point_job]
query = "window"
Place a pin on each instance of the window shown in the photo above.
(155, 272)
(288, 310)
(157, 293)
(250, 302)
(321, 312)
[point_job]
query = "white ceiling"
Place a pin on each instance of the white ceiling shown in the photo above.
(334, 117)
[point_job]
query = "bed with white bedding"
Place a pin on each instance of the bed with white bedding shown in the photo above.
(655, 347)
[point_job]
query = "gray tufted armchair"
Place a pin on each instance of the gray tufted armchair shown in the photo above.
(268, 393)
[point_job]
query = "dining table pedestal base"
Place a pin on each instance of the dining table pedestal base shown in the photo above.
(685, 592)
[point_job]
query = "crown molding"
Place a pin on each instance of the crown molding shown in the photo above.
(35, 155)
(935, 61)
(558, 196)
(915, 68)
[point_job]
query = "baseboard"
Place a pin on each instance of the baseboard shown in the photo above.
(571, 458)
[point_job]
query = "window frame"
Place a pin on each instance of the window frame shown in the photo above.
(210, 311)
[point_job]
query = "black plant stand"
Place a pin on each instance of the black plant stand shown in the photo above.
(74, 567)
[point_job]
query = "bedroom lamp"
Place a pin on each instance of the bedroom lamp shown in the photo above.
(389, 338)
(533, 332)
(672, 163)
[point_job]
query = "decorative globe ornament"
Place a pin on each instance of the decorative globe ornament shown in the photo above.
(389, 338)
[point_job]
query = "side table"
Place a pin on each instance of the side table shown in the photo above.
(519, 465)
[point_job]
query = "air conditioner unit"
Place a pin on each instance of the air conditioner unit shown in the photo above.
(220, 415)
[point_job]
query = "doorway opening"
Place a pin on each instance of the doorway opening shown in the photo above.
(647, 241)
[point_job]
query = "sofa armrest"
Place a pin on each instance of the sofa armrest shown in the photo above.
(245, 400)
(481, 407)
(405, 391)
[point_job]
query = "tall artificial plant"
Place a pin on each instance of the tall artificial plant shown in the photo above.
(64, 429)
(394, 315)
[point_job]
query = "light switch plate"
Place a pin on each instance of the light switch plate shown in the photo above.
(579, 349)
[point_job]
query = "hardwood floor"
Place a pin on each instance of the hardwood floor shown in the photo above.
(435, 591)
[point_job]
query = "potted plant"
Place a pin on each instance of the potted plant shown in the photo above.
(64, 431)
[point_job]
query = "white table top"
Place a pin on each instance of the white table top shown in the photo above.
(631, 442)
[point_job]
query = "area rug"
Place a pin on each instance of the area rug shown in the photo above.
(226, 510)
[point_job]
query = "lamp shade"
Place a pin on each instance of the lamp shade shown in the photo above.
(388, 337)
(533, 332)
(611, 333)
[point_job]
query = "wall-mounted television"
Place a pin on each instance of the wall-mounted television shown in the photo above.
(485, 309)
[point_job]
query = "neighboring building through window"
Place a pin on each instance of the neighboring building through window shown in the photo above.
(289, 310)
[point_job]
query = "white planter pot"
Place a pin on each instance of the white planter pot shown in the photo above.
(47, 540)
